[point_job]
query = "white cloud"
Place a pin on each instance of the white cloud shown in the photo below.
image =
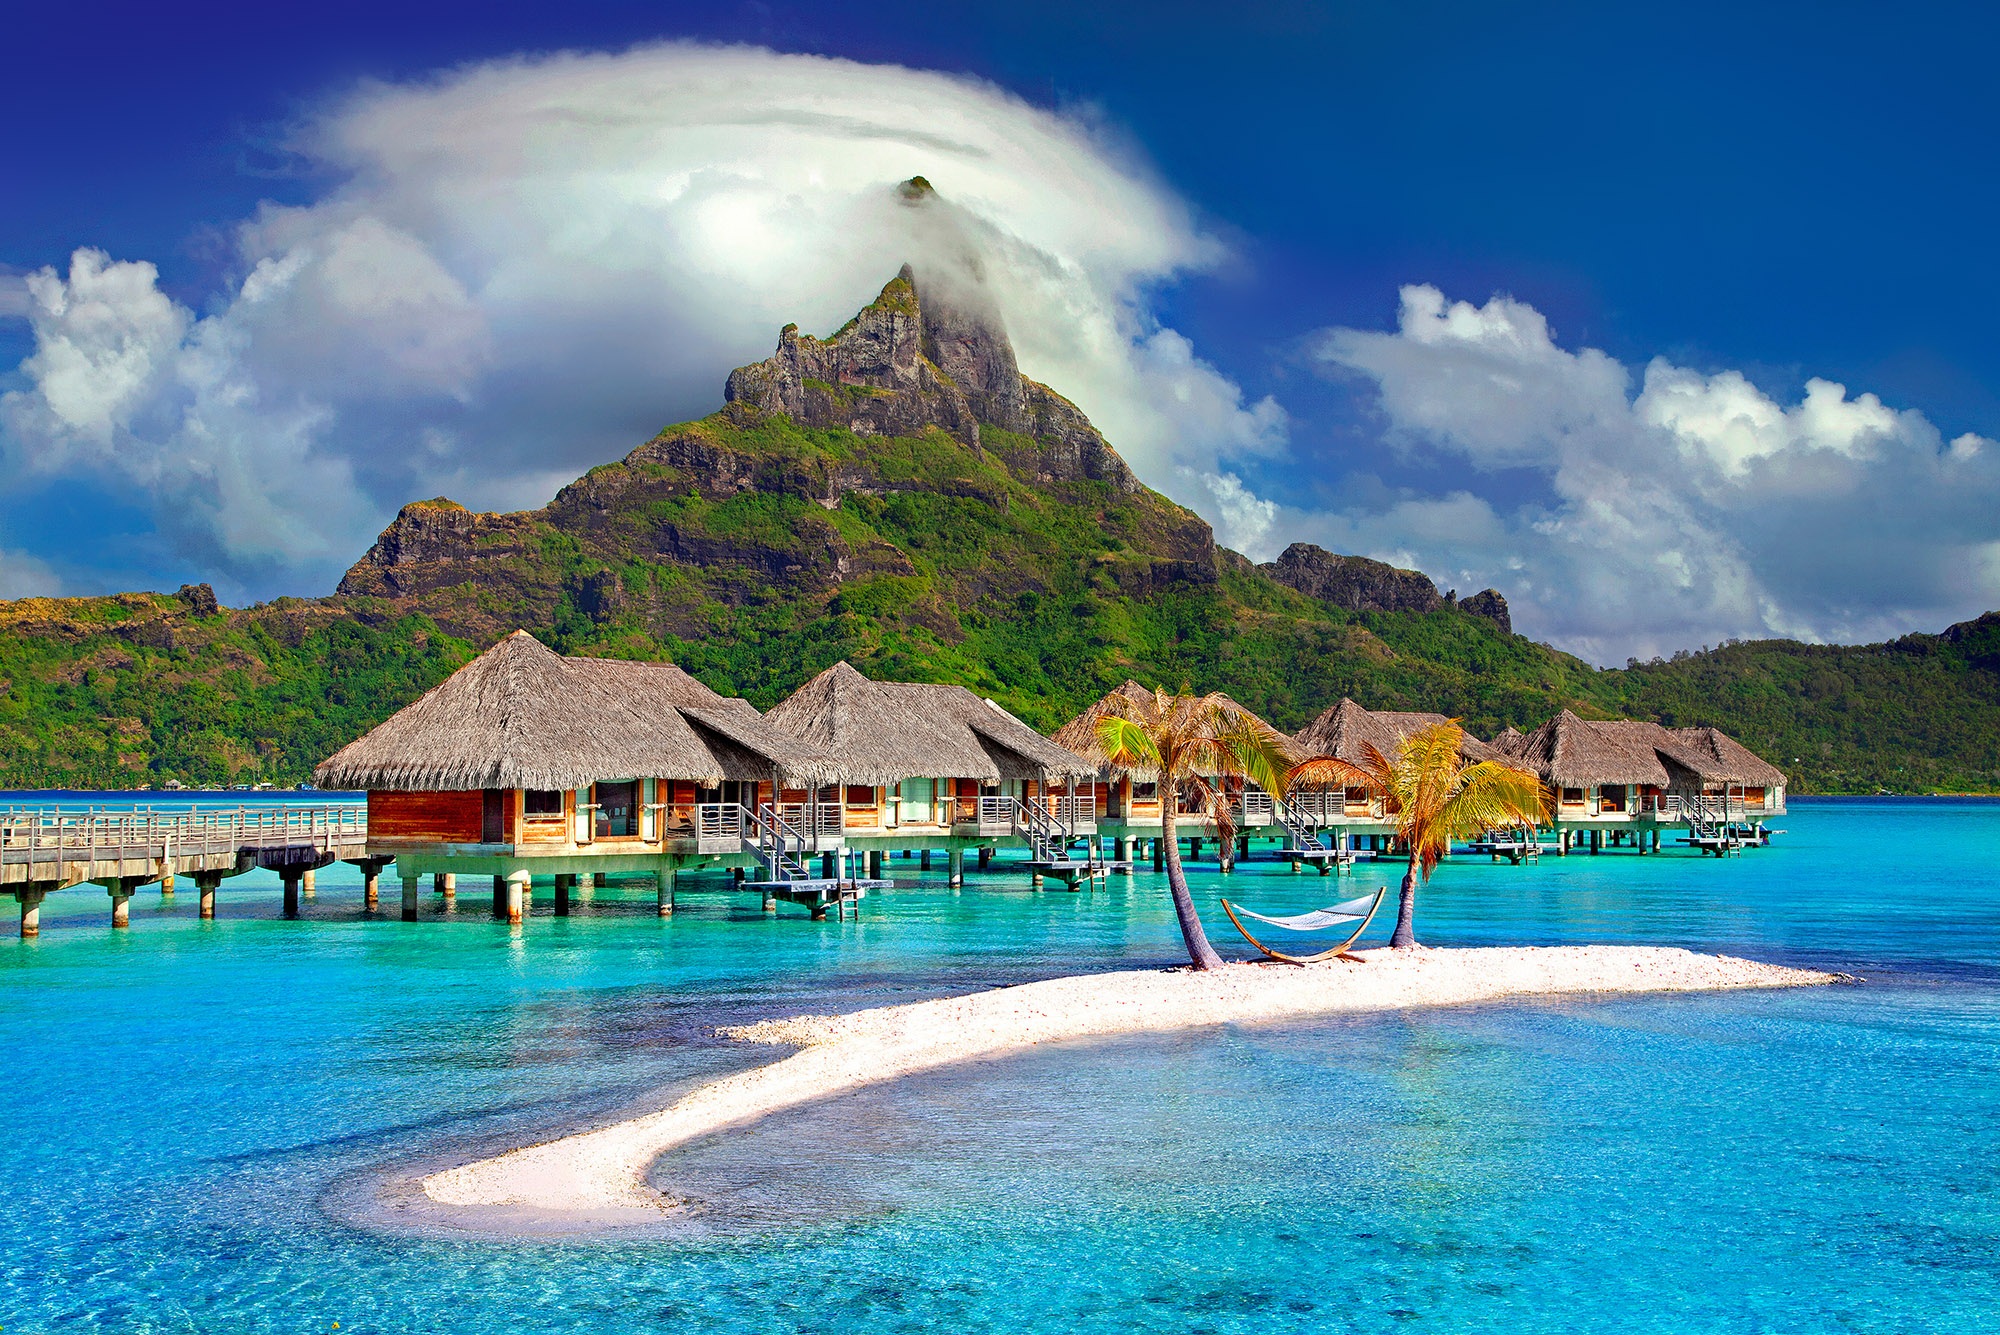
(1698, 508)
(526, 266)
(1243, 522)
(25, 576)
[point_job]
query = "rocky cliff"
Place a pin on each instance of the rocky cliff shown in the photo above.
(1358, 584)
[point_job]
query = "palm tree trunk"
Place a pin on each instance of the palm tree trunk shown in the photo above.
(1406, 908)
(1200, 953)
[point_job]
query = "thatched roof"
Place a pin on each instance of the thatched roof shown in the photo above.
(1571, 752)
(1578, 752)
(1507, 740)
(887, 731)
(522, 716)
(1346, 731)
(1720, 758)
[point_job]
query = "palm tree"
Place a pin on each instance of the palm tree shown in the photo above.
(1191, 745)
(1434, 796)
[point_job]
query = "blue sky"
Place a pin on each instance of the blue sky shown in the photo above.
(1533, 297)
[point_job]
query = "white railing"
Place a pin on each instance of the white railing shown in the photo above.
(1708, 806)
(823, 819)
(58, 834)
(718, 820)
(1254, 807)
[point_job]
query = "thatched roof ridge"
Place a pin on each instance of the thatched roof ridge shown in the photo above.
(522, 716)
(1346, 730)
(883, 732)
(1507, 740)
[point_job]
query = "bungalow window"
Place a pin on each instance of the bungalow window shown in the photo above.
(1611, 799)
(859, 795)
(1572, 797)
(617, 809)
(542, 804)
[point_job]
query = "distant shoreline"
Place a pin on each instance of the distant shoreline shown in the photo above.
(599, 1178)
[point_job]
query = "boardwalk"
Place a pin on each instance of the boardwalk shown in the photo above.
(43, 850)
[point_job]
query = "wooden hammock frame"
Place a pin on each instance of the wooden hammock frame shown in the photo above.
(1337, 952)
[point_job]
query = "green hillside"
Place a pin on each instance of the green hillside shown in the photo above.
(899, 496)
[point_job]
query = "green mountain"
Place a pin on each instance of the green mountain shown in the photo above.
(900, 496)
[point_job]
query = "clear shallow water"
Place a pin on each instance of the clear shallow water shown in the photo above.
(194, 1105)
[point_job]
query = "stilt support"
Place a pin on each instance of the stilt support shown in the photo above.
(955, 868)
(31, 912)
(412, 887)
(518, 888)
(663, 892)
(206, 883)
(291, 877)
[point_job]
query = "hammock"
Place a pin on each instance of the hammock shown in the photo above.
(1358, 911)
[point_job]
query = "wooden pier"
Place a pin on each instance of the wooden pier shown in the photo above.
(50, 849)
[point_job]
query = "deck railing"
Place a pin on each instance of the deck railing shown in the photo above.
(53, 833)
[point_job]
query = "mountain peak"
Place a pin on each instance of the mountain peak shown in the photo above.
(925, 356)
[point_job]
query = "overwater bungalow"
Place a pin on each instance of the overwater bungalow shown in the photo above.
(524, 762)
(927, 767)
(1623, 780)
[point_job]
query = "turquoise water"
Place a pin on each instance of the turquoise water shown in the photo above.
(201, 1113)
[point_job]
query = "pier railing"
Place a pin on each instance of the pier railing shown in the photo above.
(29, 834)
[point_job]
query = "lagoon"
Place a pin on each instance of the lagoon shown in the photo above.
(203, 1112)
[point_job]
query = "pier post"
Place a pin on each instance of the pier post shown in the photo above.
(207, 883)
(663, 891)
(517, 885)
(309, 883)
(444, 883)
(412, 887)
(120, 891)
(1596, 842)
(1159, 856)
(31, 912)
(875, 865)
(1656, 839)
(371, 885)
(985, 858)
(924, 860)
(770, 900)
(499, 896)
(565, 882)
(955, 868)
(290, 876)
(1035, 881)
(829, 866)
(167, 877)
(1194, 850)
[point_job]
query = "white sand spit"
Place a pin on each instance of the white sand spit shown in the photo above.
(603, 1173)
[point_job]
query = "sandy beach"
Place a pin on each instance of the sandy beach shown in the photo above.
(602, 1174)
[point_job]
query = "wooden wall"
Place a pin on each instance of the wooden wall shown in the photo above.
(453, 817)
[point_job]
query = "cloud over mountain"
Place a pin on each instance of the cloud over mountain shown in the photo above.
(524, 267)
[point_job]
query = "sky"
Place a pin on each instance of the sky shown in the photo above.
(1671, 324)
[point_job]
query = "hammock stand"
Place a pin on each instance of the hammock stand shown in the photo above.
(1318, 920)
